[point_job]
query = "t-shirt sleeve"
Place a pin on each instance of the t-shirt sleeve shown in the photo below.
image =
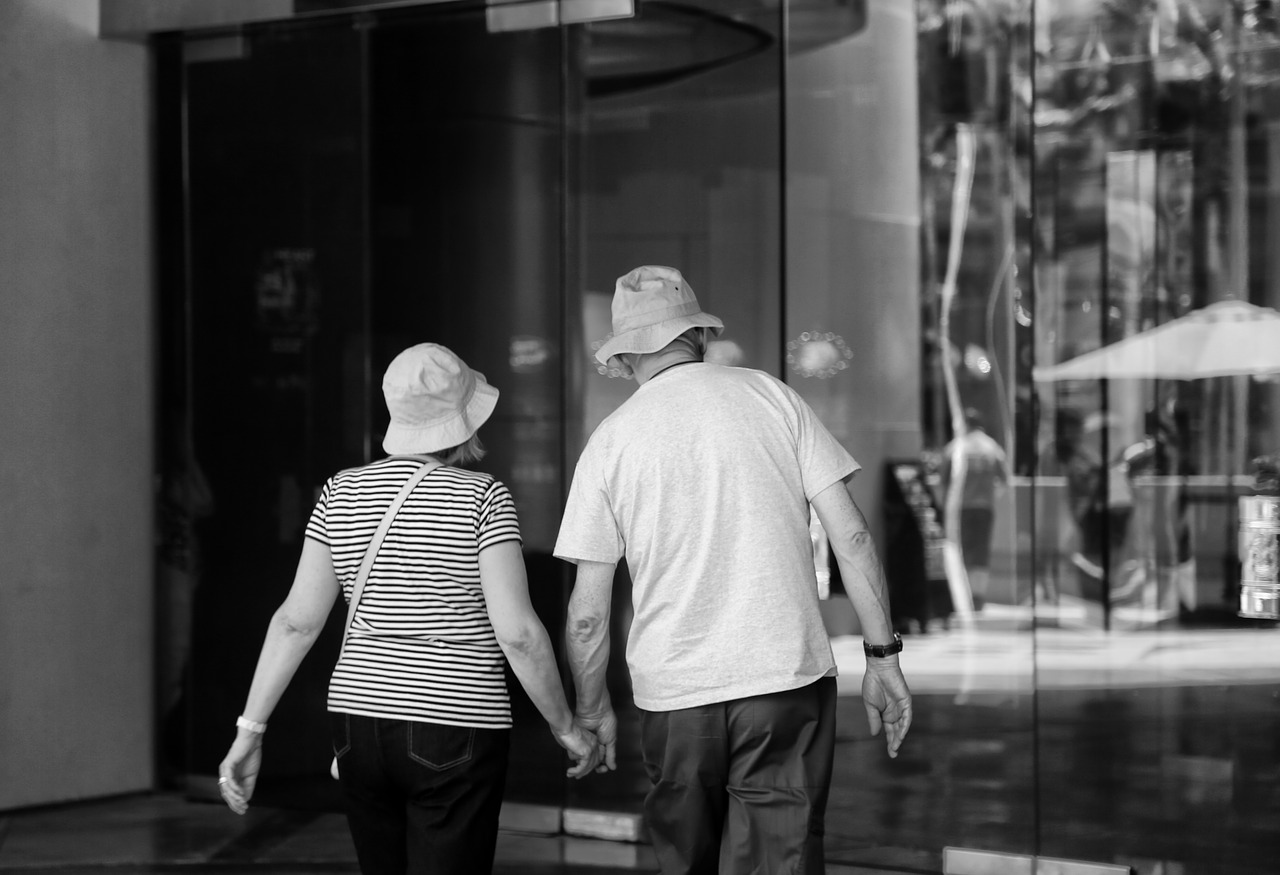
(498, 521)
(588, 530)
(823, 461)
(318, 524)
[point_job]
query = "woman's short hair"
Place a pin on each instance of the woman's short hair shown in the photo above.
(466, 453)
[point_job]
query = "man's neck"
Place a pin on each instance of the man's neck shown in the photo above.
(649, 366)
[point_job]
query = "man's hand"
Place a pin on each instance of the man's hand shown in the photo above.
(605, 725)
(888, 701)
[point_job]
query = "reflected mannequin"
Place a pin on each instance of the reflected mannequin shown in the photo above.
(981, 485)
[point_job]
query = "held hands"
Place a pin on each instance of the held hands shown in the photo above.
(238, 773)
(888, 701)
(584, 749)
(604, 724)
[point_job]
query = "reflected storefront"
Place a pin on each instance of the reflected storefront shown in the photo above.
(1018, 255)
(1098, 205)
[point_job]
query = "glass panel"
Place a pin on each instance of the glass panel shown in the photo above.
(675, 135)
(355, 188)
(465, 205)
(276, 272)
(1153, 168)
(906, 201)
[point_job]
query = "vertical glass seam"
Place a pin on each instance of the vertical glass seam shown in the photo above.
(1032, 230)
(785, 40)
(363, 26)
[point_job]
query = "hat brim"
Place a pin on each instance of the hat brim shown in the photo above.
(447, 433)
(652, 338)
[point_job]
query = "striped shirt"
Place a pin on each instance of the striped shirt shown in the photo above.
(420, 646)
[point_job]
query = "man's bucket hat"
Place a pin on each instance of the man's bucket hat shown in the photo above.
(652, 305)
(435, 400)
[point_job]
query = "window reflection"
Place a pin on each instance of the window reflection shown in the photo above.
(1098, 197)
(1153, 140)
(1158, 111)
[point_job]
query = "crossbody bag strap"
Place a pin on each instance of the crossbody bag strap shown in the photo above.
(371, 552)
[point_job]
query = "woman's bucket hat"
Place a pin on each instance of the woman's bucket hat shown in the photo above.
(435, 400)
(652, 305)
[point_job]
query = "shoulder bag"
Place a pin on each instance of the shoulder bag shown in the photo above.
(370, 553)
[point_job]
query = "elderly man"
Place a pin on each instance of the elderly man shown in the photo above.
(703, 481)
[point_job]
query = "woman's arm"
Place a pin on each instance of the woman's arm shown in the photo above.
(294, 628)
(525, 643)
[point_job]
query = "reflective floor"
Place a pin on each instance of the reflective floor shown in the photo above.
(167, 833)
(1200, 799)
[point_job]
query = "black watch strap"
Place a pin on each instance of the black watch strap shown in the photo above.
(881, 650)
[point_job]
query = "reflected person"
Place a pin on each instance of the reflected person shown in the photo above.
(418, 703)
(1083, 541)
(983, 480)
(703, 481)
(184, 499)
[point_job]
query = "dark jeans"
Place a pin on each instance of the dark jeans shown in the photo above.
(741, 786)
(420, 797)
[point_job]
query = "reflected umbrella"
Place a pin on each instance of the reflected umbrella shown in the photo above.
(1224, 339)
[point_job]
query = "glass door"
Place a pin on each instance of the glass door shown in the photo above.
(674, 120)
(466, 250)
(352, 186)
(274, 313)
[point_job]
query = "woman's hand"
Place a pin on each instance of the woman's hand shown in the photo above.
(238, 773)
(584, 749)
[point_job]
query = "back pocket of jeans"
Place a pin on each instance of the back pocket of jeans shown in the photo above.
(440, 747)
(340, 732)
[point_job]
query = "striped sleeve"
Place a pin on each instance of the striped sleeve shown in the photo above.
(497, 521)
(317, 526)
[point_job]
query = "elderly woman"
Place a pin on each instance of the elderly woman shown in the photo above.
(418, 703)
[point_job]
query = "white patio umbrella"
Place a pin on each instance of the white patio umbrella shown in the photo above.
(1224, 339)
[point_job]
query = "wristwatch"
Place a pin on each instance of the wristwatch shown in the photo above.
(883, 649)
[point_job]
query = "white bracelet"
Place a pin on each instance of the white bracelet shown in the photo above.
(243, 722)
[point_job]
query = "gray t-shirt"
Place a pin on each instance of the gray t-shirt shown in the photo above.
(702, 481)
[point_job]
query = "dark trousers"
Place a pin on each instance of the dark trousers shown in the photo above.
(741, 786)
(420, 797)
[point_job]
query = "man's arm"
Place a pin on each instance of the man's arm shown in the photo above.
(857, 559)
(587, 648)
(884, 689)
